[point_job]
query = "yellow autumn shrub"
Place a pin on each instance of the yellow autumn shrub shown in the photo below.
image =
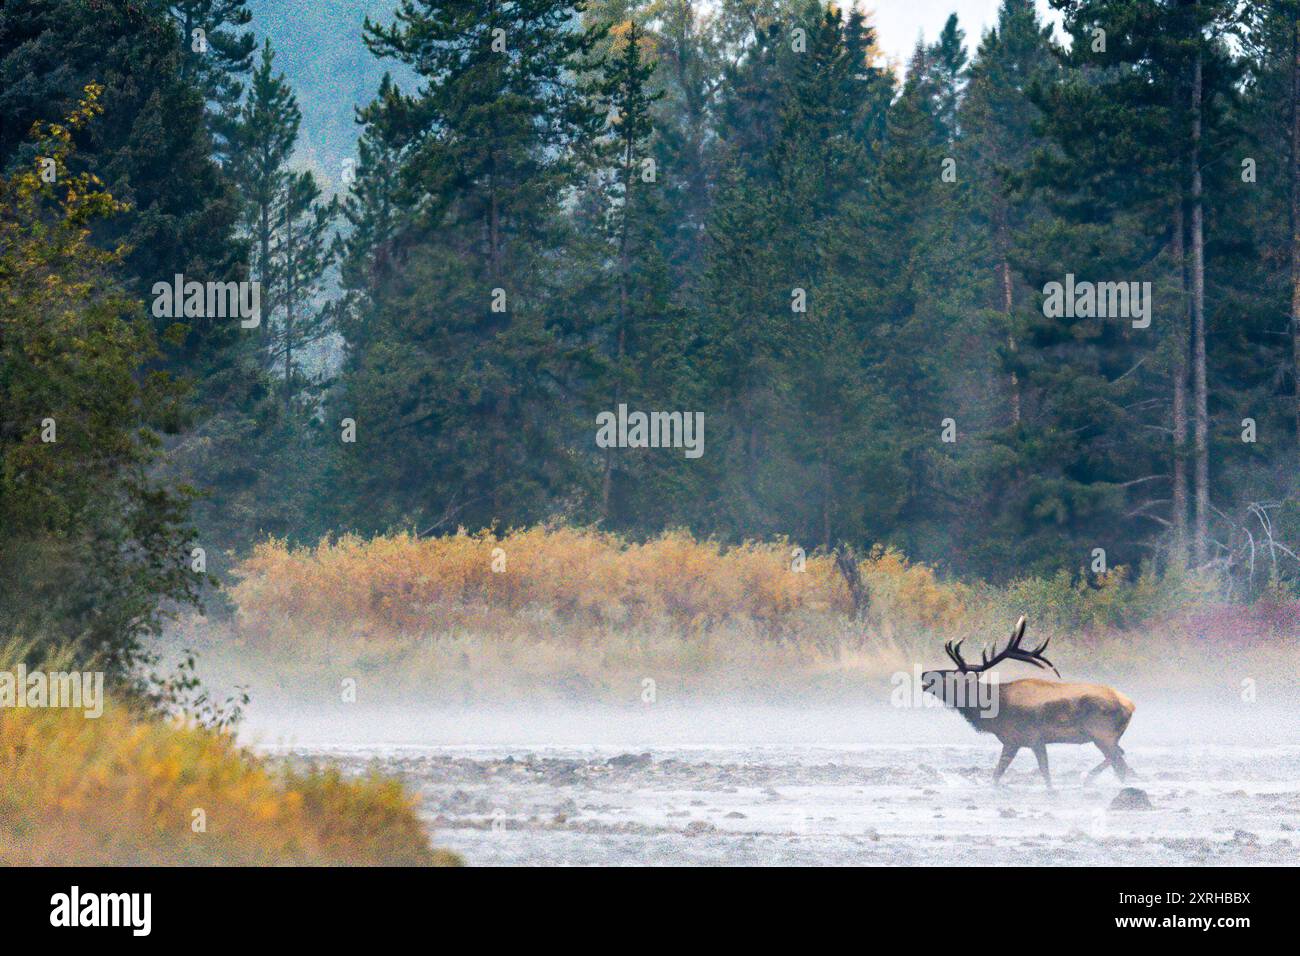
(122, 789)
(404, 585)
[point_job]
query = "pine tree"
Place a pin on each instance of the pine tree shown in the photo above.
(982, 382)
(947, 69)
(784, 345)
(268, 132)
(1252, 270)
(372, 203)
(215, 53)
(455, 393)
(291, 229)
(150, 146)
(1147, 84)
(830, 123)
(629, 209)
(263, 452)
(303, 249)
(913, 256)
(155, 153)
(1271, 213)
(373, 209)
(744, 303)
(691, 47)
(998, 140)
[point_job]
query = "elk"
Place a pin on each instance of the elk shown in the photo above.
(1033, 713)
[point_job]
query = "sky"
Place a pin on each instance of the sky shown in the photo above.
(899, 22)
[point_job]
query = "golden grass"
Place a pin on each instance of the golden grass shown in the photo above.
(582, 615)
(403, 585)
(121, 790)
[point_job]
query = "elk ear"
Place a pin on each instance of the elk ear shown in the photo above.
(1018, 631)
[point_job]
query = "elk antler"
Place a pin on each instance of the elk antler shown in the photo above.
(1012, 652)
(954, 653)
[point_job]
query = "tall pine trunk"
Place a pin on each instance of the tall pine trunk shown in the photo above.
(264, 244)
(1008, 303)
(290, 297)
(1295, 218)
(624, 279)
(828, 490)
(1200, 543)
(1178, 550)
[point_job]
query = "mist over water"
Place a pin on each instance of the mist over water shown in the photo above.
(1159, 722)
(712, 782)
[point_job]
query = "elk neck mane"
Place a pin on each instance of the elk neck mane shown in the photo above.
(973, 716)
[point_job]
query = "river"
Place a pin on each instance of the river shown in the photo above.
(807, 785)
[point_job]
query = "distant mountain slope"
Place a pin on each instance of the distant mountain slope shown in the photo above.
(318, 46)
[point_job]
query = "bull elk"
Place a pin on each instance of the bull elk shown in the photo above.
(1034, 713)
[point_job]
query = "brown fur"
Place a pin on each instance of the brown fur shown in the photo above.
(1034, 713)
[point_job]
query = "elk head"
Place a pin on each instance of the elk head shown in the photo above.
(956, 686)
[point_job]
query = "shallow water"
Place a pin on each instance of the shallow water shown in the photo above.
(804, 785)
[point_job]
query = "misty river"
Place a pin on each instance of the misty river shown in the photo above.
(742, 785)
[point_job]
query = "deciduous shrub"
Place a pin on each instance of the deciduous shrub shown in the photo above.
(400, 584)
(121, 789)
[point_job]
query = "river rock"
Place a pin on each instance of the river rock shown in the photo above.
(1131, 798)
(629, 760)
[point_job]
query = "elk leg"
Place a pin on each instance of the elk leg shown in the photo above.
(1114, 759)
(1040, 751)
(1008, 754)
(1092, 774)
(1117, 761)
(1106, 752)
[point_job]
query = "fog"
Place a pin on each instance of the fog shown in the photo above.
(717, 783)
